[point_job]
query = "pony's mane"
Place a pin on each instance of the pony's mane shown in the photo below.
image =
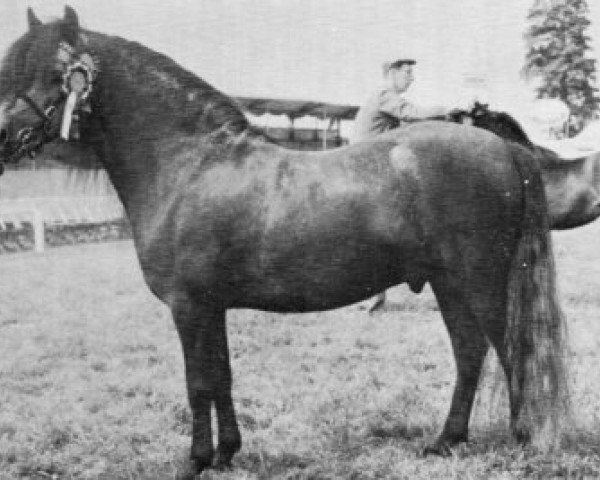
(209, 107)
(198, 107)
(500, 123)
(27, 59)
(515, 128)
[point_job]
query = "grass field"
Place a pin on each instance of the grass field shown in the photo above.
(92, 387)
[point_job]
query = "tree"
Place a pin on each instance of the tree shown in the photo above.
(558, 55)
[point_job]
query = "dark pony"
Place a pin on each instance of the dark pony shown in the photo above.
(572, 185)
(500, 123)
(222, 219)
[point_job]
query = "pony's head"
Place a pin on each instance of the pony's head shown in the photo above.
(45, 80)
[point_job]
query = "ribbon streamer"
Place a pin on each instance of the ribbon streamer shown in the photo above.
(68, 115)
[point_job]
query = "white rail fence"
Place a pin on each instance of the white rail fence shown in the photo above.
(40, 212)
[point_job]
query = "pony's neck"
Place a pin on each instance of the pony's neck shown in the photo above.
(155, 93)
(143, 105)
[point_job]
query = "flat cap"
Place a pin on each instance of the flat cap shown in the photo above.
(402, 61)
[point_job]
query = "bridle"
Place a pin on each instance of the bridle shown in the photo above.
(30, 140)
(79, 71)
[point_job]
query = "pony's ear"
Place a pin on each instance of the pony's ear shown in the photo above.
(70, 26)
(480, 109)
(32, 20)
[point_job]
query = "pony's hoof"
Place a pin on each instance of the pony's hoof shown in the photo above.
(522, 436)
(190, 469)
(223, 466)
(440, 449)
(187, 471)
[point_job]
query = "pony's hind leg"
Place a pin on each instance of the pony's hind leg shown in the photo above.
(202, 331)
(469, 346)
(514, 394)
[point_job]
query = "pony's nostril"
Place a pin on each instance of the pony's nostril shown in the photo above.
(3, 136)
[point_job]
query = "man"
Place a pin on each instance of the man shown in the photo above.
(388, 109)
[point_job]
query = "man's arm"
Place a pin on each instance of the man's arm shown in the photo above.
(400, 108)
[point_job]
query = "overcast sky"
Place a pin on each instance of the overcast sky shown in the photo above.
(328, 50)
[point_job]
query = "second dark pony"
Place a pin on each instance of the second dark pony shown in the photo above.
(572, 185)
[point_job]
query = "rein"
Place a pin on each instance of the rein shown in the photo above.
(79, 71)
(29, 101)
(30, 140)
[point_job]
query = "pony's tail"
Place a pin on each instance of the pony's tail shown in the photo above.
(536, 333)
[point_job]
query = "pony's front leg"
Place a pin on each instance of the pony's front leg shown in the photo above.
(230, 440)
(202, 332)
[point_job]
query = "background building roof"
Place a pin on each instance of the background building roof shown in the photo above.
(297, 108)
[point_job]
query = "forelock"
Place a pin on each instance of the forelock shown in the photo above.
(27, 58)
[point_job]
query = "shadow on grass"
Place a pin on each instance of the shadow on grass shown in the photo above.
(583, 442)
(283, 465)
(396, 432)
(577, 458)
(381, 451)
